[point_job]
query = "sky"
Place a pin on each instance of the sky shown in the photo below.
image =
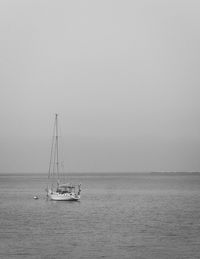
(123, 75)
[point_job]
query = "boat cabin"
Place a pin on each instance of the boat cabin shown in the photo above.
(65, 188)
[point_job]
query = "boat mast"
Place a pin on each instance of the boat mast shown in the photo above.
(57, 156)
(52, 158)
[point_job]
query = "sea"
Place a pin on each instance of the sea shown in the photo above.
(120, 215)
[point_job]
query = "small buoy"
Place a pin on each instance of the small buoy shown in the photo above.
(35, 198)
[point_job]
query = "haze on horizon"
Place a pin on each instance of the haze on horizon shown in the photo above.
(122, 75)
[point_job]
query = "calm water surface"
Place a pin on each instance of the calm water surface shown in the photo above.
(119, 216)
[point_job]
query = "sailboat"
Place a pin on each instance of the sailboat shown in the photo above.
(57, 189)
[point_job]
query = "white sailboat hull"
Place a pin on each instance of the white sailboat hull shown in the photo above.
(64, 197)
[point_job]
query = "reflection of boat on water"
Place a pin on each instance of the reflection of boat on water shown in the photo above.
(56, 188)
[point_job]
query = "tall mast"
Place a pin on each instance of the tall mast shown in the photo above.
(57, 156)
(52, 158)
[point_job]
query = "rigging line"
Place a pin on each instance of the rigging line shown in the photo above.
(54, 154)
(51, 153)
(61, 152)
(54, 162)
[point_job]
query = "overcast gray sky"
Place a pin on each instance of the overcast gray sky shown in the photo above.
(123, 76)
